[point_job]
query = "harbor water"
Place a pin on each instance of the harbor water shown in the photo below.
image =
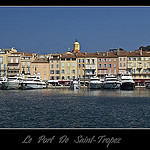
(84, 108)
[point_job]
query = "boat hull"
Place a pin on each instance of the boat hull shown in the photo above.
(33, 86)
(95, 85)
(10, 85)
(111, 85)
(128, 86)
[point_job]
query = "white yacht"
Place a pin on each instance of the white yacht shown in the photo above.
(12, 83)
(1, 83)
(95, 83)
(74, 84)
(111, 82)
(127, 82)
(33, 82)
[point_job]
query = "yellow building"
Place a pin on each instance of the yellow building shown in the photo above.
(81, 65)
(138, 65)
(25, 63)
(4, 60)
(54, 66)
(68, 66)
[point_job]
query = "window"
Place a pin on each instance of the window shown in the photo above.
(88, 61)
(57, 66)
(105, 65)
(114, 65)
(11, 60)
(73, 71)
(68, 71)
(144, 64)
(100, 65)
(83, 60)
(1, 60)
(120, 64)
(83, 72)
(109, 60)
(100, 60)
(11, 66)
(16, 60)
(73, 64)
(28, 64)
(68, 64)
(134, 59)
(124, 64)
(79, 71)
(115, 71)
(62, 71)
(109, 71)
(115, 60)
(62, 64)
(120, 59)
(83, 65)
(52, 66)
(4, 66)
(79, 61)
(0, 66)
(110, 65)
(134, 64)
(92, 61)
(124, 59)
(44, 78)
(105, 60)
(57, 71)
(23, 64)
(44, 66)
(44, 72)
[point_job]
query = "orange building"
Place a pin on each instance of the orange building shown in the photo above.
(40, 66)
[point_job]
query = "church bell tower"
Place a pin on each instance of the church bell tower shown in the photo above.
(76, 47)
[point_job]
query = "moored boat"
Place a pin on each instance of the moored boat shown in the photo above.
(33, 82)
(95, 83)
(127, 82)
(12, 83)
(111, 82)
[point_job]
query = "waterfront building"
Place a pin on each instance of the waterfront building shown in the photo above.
(107, 63)
(13, 66)
(40, 66)
(54, 60)
(122, 61)
(25, 63)
(68, 66)
(138, 64)
(4, 61)
(90, 65)
(81, 65)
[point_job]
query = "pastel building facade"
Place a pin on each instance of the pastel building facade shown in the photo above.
(40, 66)
(54, 60)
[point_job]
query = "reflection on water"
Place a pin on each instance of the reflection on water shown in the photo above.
(84, 108)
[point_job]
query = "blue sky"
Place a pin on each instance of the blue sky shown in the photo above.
(54, 29)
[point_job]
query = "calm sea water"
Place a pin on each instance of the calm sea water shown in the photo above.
(61, 108)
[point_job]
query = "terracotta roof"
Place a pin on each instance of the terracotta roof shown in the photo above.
(41, 60)
(137, 54)
(107, 55)
(28, 54)
(68, 56)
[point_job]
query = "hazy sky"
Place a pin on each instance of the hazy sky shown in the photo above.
(54, 29)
